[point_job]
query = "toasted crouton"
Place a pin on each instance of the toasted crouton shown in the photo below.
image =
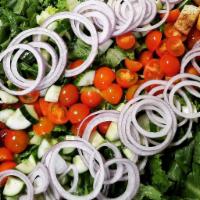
(187, 19)
(197, 2)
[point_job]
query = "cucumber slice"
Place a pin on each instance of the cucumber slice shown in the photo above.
(17, 121)
(5, 114)
(144, 122)
(44, 147)
(96, 139)
(29, 113)
(79, 164)
(112, 132)
(129, 154)
(36, 140)
(105, 46)
(13, 186)
(27, 166)
(53, 94)
(7, 98)
(85, 79)
(120, 107)
(117, 143)
(67, 151)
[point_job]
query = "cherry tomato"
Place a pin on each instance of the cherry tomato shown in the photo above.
(125, 78)
(11, 106)
(2, 125)
(5, 155)
(43, 106)
(145, 57)
(76, 64)
(191, 70)
(126, 41)
(38, 108)
(3, 133)
(69, 95)
(43, 127)
(170, 65)
(78, 112)
(170, 31)
(7, 165)
(133, 65)
(173, 15)
(16, 141)
(57, 113)
(103, 127)
(153, 70)
(30, 98)
(193, 37)
(162, 49)
(153, 40)
(91, 97)
(104, 77)
(112, 94)
(131, 91)
(175, 46)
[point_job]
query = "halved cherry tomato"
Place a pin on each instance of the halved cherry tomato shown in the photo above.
(133, 65)
(16, 141)
(170, 31)
(57, 113)
(193, 37)
(153, 40)
(126, 41)
(175, 46)
(43, 127)
(76, 64)
(145, 57)
(103, 127)
(191, 70)
(153, 70)
(112, 94)
(69, 95)
(91, 97)
(125, 78)
(173, 15)
(37, 108)
(5, 154)
(104, 77)
(7, 165)
(131, 91)
(43, 106)
(162, 49)
(30, 98)
(170, 65)
(78, 112)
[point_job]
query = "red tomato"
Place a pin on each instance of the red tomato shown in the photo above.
(30, 98)
(5, 155)
(153, 70)
(38, 108)
(103, 127)
(16, 141)
(133, 65)
(193, 37)
(11, 106)
(43, 127)
(173, 15)
(69, 95)
(57, 113)
(7, 165)
(131, 91)
(76, 64)
(145, 57)
(125, 78)
(126, 41)
(162, 49)
(170, 31)
(91, 97)
(2, 125)
(170, 65)
(43, 106)
(191, 70)
(78, 112)
(153, 40)
(3, 133)
(112, 94)
(175, 46)
(104, 77)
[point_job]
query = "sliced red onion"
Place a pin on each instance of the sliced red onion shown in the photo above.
(29, 187)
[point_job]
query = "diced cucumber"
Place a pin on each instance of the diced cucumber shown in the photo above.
(117, 143)
(96, 139)
(105, 46)
(29, 113)
(79, 164)
(144, 122)
(112, 132)
(67, 151)
(129, 154)
(36, 140)
(17, 121)
(5, 114)
(85, 79)
(120, 107)
(7, 98)
(44, 147)
(53, 94)
(13, 186)
(12, 198)
(27, 165)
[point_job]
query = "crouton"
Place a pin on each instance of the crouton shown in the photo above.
(187, 19)
(197, 2)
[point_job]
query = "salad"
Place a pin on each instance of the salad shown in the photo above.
(99, 99)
